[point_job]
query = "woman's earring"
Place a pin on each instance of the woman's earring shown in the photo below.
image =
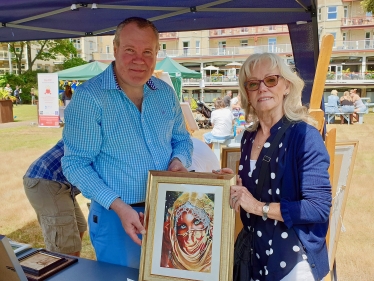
(286, 94)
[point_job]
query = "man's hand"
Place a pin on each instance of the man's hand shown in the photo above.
(176, 166)
(131, 221)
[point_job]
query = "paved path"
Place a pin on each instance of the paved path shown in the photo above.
(18, 124)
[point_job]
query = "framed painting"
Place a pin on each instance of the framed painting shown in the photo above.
(345, 157)
(190, 227)
(231, 159)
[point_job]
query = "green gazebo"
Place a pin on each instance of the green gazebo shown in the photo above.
(177, 73)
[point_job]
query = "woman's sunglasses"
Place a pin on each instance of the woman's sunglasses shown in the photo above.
(269, 81)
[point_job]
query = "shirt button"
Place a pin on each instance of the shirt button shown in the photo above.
(313, 265)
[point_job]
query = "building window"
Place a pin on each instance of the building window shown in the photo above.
(243, 43)
(367, 40)
(334, 34)
(107, 49)
(23, 66)
(344, 36)
(186, 46)
(222, 47)
(38, 66)
(46, 67)
(91, 45)
(272, 43)
(197, 47)
(332, 13)
(319, 14)
(76, 43)
(244, 30)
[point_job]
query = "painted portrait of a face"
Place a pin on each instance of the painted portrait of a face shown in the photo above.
(188, 231)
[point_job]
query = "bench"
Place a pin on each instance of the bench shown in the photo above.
(217, 146)
(330, 117)
(360, 117)
(369, 104)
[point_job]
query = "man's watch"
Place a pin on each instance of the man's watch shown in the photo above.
(265, 210)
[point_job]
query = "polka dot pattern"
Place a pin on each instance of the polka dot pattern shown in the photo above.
(277, 248)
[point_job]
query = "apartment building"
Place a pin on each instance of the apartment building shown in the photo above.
(218, 53)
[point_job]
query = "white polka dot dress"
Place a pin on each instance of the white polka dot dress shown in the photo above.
(277, 249)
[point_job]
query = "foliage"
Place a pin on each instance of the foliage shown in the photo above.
(46, 50)
(73, 62)
(368, 5)
(369, 74)
(330, 75)
(26, 81)
(4, 95)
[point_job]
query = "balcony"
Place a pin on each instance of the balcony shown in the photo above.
(225, 51)
(363, 45)
(168, 35)
(348, 78)
(103, 57)
(253, 30)
(357, 22)
(4, 55)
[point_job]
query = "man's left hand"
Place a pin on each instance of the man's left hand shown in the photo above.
(176, 166)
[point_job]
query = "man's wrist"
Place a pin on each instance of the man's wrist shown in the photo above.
(172, 159)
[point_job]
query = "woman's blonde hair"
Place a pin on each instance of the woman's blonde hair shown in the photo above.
(334, 92)
(292, 107)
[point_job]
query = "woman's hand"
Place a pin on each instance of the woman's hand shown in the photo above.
(223, 171)
(241, 197)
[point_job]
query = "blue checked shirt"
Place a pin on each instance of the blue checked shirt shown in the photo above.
(48, 166)
(110, 145)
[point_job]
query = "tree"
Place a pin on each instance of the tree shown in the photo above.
(69, 63)
(368, 5)
(47, 50)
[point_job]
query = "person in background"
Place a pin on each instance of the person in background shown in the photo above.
(121, 124)
(17, 95)
(227, 98)
(53, 199)
(74, 85)
(358, 103)
(8, 89)
(286, 218)
(66, 95)
(332, 102)
(346, 107)
(222, 121)
(32, 93)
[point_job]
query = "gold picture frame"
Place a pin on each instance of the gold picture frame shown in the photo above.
(190, 227)
(231, 159)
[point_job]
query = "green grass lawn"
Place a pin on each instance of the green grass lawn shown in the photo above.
(25, 112)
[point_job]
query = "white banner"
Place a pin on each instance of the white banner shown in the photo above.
(48, 100)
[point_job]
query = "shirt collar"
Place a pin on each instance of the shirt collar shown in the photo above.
(149, 83)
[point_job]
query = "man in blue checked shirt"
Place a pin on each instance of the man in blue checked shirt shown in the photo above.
(53, 199)
(118, 126)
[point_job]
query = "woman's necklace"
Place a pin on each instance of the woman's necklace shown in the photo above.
(259, 145)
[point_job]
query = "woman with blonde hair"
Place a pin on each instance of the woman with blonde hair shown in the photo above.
(332, 102)
(283, 190)
(346, 107)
